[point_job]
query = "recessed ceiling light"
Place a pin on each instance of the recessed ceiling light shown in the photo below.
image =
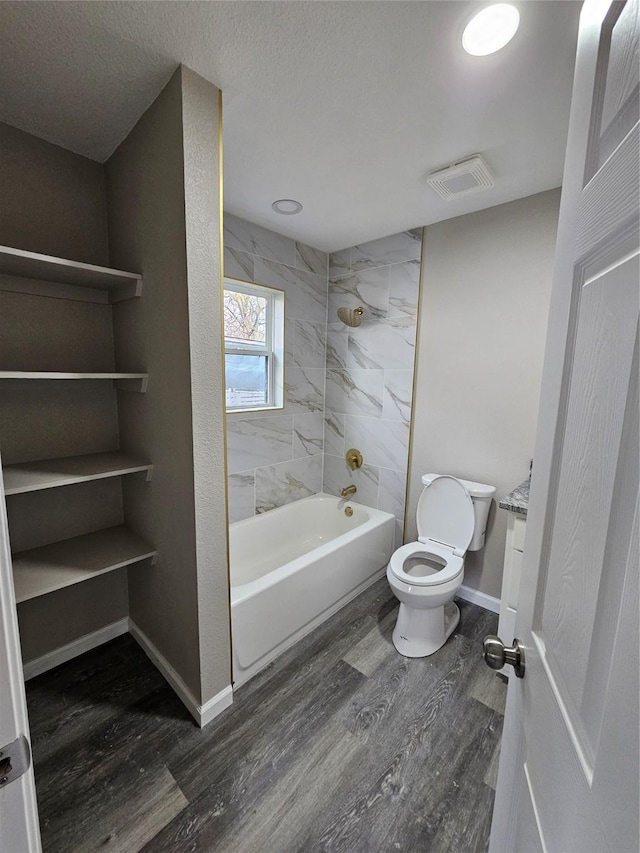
(491, 29)
(288, 206)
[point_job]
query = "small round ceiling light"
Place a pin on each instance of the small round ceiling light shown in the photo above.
(491, 29)
(287, 206)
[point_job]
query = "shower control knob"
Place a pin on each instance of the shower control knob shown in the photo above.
(496, 654)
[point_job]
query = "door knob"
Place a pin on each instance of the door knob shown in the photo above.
(496, 654)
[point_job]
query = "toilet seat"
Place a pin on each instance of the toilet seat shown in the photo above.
(453, 564)
(445, 519)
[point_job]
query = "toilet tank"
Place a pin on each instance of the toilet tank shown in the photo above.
(481, 496)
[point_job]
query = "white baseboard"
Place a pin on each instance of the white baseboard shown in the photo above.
(468, 593)
(202, 714)
(215, 706)
(77, 647)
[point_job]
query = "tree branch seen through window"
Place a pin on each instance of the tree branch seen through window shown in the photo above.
(244, 317)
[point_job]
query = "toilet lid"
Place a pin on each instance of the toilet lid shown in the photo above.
(445, 514)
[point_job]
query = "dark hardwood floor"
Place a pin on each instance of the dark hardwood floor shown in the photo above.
(340, 745)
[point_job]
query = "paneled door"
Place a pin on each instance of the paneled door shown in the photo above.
(568, 778)
(19, 830)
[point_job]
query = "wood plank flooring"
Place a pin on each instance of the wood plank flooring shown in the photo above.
(340, 745)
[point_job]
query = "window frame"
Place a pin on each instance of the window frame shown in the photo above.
(272, 348)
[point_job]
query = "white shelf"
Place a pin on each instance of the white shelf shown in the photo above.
(39, 374)
(31, 265)
(127, 381)
(43, 570)
(51, 473)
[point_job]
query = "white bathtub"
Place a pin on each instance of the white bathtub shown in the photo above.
(294, 566)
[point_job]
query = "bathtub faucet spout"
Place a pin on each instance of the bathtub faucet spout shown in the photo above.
(348, 490)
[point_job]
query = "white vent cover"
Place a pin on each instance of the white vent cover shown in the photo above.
(462, 178)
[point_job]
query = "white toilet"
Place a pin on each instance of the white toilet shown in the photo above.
(425, 575)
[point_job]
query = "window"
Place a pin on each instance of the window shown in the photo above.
(253, 345)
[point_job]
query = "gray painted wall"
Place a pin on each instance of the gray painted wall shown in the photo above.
(486, 281)
(67, 614)
(202, 135)
(162, 188)
(53, 201)
(275, 457)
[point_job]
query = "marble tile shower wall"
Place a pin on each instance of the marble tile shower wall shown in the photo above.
(369, 380)
(274, 458)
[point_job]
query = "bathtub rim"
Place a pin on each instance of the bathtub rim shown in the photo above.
(245, 591)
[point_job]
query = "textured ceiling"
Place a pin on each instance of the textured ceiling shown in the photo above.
(342, 105)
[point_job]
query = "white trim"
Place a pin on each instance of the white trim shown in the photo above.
(468, 593)
(76, 647)
(202, 714)
(215, 706)
(19, 829)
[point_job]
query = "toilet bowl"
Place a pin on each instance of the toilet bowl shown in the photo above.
(425, 575)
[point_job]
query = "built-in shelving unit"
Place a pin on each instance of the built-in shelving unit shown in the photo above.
(52, 567)
(52, 473)
(45, 569)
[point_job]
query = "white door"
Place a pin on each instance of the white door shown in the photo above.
(19, 830)
(568, 778)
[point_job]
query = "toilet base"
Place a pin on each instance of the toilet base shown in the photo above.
(419, 633)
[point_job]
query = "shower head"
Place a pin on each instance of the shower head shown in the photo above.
(351, 316)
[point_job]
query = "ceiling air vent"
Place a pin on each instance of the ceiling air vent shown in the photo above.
(461, 178)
